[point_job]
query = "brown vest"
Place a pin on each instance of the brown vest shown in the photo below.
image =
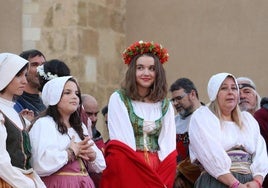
(18, 144)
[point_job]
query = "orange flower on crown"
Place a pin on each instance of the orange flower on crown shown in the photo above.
(145, 47)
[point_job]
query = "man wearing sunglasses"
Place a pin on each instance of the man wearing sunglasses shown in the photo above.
(185, 101)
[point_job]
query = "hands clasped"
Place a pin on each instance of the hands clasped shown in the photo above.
(83, 149)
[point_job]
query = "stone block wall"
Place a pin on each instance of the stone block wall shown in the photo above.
(88, 35)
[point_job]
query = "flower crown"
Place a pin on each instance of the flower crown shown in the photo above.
(47, 76)
(145, 47)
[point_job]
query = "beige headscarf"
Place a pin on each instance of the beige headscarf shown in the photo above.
(10, 65)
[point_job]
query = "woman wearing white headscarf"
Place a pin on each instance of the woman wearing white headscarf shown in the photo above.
(62, 151)
(226, 141)
(15, 148)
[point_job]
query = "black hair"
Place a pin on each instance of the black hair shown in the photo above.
(264, 101)
(55, 67)
(104, 110)
(183, 83)
(31, 53)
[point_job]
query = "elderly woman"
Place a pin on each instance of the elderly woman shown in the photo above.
(227, 142)
(63, 154)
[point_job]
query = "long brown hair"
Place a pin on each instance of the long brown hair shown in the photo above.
(158, 90)
(74, 120)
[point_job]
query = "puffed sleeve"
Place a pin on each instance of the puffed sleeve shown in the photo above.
(167, 137)
(119, 124)
(9, 173)
(205, 146)
(48, 152)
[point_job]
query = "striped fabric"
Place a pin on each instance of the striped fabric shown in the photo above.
(241, 161)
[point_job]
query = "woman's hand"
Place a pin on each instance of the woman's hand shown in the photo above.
(86, 150)
(74, 147)
(241, 185)
(83, 149)
(27, 114)
(252, 184)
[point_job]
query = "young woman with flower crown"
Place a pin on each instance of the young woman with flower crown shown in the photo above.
(141, 151)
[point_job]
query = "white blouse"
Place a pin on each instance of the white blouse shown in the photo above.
(6, 107)
(120, 127)
(49, 147)
(209, 141)
(11, 174)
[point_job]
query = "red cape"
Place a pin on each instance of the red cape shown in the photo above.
(125, 169)
(261, 116)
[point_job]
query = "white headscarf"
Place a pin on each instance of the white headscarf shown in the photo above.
(53, 89)
(245, 82)
(10, 65)
(215, 82)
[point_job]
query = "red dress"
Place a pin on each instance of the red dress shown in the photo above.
(127, 169)
(72, 175)
(261, 116)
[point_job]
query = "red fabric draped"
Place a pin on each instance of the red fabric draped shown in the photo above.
(128, 170)
(261, 116)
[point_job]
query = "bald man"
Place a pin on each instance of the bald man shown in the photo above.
(91, 108)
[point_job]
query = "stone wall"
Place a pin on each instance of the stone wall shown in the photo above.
(88, 35)
(203, 37)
